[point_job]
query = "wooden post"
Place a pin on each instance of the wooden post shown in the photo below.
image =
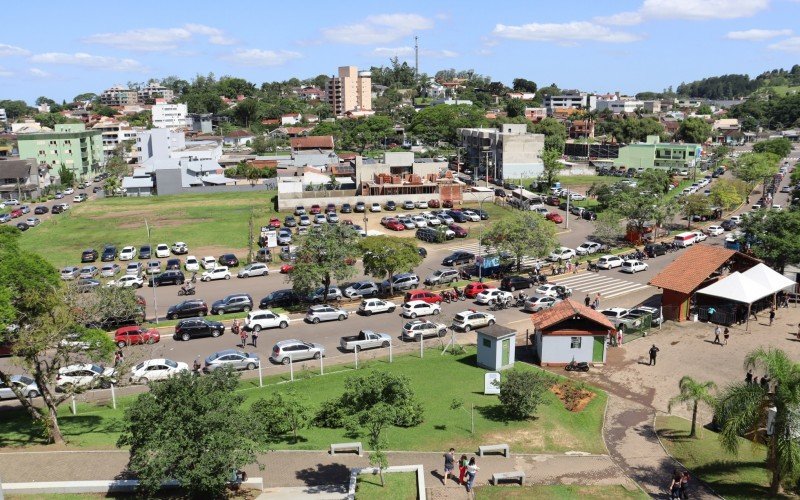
(747, 322)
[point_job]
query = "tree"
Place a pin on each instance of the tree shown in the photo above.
(694, 130)
(66, 176)
(755, 167)
(635, 205)
(376, 420)
(522, 234)
(385, 256)
(551, 166)
(695, 204)
(742, 410)
(634, 129)
(279, 415)
(693, 392)
(780, 147)
(523, 85)
(773, 236)
(655, 181)
(246, 112)
(729, 193)
(210, 435)
(515, 108)
(440, 123)
(608, 227)
(521, 392)
(555, 134)
(322, 256)
(704, 109)
(259, 145)
(86, 96)
(371, 131)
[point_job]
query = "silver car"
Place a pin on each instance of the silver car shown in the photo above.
(537, 302)
(361, 289)
(88, 272)
(26, 385)
(295, 350)
(238, 360)
(319, 294)
(285, 237)
(323, 312)
(254, 269)
(110, 270)
(70, 273)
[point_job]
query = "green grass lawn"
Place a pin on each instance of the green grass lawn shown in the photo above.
(398, 486)
(732, 476)
(437, 381)
(557, 492)
(214, 222)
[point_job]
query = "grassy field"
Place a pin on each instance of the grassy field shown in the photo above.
(208, 223)
(742, 476)
(399, 486)
(436, 379)
(557, 492)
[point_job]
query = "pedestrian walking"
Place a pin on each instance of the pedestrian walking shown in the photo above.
(748, 379)
(717, 332)
(595, 303)
(472, 471)
(587, 300)
(725, 335)
(685, 485)
(675, 485)
(619, 338)
(119, 358)
(597, 300)
(653, 353)
(196, 366)
(711, 312)
(449, 464)
(771, 316)
(463, 462)
(254, 338)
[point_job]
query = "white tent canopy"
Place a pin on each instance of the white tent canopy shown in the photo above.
(738, 288)
(769, 278)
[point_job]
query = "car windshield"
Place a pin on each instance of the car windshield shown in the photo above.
(96, 369)
(170, 363)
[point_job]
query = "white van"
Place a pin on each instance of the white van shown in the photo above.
(685, 239)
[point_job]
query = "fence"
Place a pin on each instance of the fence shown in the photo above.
(637, 329)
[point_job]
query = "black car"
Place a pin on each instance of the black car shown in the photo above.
(89, 255)
(589, 215)
(188, 309)
(346, 208)
(41, 209)
(197, 327)
(145, 252)
(280, 298)
(171, 277)
(23, 226)
(728, 225)
(360, 207)
(57, 209)
(109, 253)
(457, 216)
(289, 221)
(228, 259)
(655, 249)
(511, 283)
(263, 255)
(482, 213)
(422, 252)
(173, 264)
(430, 235)
(233, 303)
(391, 206)
(562, 205)
(457, 258)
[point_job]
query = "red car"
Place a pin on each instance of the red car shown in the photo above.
(433, 204)
(447, 204)
(473, 289)
(425, 296)
(275, 223)
(315, 209)
(555, 217)
(133, 335)
(460, 231)
(395, 225)
(287, 268)
(553, 200)
(16, 213)
(330, 208)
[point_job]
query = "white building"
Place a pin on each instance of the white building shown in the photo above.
(509, 152)
(171, 116)
(620, 106)
(114, 133)
(3, 116)
(570, 100)
(291, 119)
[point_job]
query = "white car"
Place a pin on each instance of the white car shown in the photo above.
(467, 320)
(191, 263)
(422, 204)
(375, 207)
(180, 248)
(127, 281)
(588, 247)
(633, 266)
(11, 201)
(127, 253)
(577, 197)
(715, 230)
(491, 295)
(609, 261)
(218, 273)
(156, 369)
(700, 236)
(26, 385)
(561, 253)
(416, 308)
(471, 216)
(368, 307)
(254, 269)
(259, 320)
(419, 221)
(162, 251)
(69, 191)
(736, 218)
(208, 262)
(432, 219)
(84, 376)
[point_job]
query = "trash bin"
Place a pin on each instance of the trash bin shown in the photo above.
(694, 317)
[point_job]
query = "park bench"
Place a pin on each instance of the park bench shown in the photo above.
(347, 446)
(493, 447)
(516, 475)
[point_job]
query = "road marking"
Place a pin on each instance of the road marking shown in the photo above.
(642, 287)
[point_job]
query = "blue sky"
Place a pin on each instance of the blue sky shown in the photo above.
(603, 45)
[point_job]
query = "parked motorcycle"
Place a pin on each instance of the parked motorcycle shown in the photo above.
(186, 290)
(459, 294)
(577, 367)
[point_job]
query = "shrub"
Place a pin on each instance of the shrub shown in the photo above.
(521, 392)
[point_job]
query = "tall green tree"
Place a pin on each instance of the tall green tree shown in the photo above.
(376, 421)
(608, 227)
(523, 85)
(742, 411)
(694, 130)
(695, 205)
(729, 193)
(773, 236)
(555, 134)
(780, 147)
(522, 391)
(66, 175)
(280, 414)
(323, 255)
(440, 123)
(385, 256)
(551, 166)
(522, 234)
(693, 392)
(515, 108)
(755, 167)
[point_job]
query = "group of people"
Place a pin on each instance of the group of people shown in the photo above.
(466, 468)
(594, 304)
(763, 382)
(679, 487)
(237, 329)
(725, 335)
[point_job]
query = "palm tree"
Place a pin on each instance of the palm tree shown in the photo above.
(693, 392)
(742, 410)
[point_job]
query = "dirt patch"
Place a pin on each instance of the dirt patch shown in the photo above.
(572, 395)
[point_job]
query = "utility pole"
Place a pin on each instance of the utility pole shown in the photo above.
(416, 56)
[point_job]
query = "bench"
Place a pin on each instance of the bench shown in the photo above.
(516, 475)
(347, 446)
(493, 447)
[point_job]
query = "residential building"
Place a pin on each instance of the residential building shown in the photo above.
(570, 100)
(119, 96)
(291, 119)
(581, 129)
(200, 122)
(22, 179)
(70, 144)
(524, 96)
(28, 126)
(655, 154)
(351, 90)
(450, 102)
(652, 107)
(162, 143)
(152, 92)
(535, 114)
(310, 143)
(172, 116)
(507, 152)
(113, 134)
(238, 138)
(3, 116)
(311, 94)
(620, 105)
(728, 131)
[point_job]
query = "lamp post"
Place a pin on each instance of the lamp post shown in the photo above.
(480, 241)
(155, 298)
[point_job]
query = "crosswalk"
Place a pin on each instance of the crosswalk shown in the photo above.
(592, 283)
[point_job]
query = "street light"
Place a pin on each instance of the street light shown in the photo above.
(480, 241)
(155, 298)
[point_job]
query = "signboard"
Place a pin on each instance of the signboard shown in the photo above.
(491, 383)
(270, 235)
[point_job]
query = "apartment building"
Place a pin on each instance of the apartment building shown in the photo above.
(70, 144)
(114, 133)
(570, 100)
(154, 91)
(350, 91)
(617, 106)
(171, 116)
(656, 154)
(508, 152)
(119, 96)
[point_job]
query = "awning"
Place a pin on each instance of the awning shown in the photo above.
(769, 278)
(738, 288)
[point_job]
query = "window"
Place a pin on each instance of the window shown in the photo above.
(487, 343)
(575, 342)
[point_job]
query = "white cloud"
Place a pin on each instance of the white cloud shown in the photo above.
(89, 61)
(11, 50)
(693, 10)
(159, 39)
(409, 51)
(621, 19)
(565, 33)
(757, 35)
(4, 73)
(378, 29)
(258, 57)
(789, 45)
(38, 73)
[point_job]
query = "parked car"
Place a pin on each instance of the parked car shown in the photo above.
(228, 259)
(145, 252)
(346, 208)
(555, 217)
(299, 210)
(391, 206)
(188, 309)
(360, 207)
(315, 209)
(400, 282)
(469, 320)
(492, 295)
(656, 318)
(368, 307)
(561, 254)
(424, 296)
(375, 207)
(134, 268)
(512, 283)
(633, 266)
(473, 289)
(89, 255)
(280, 298)
(259, 320)
(609, 261)
(728, 225)
(588, 248)
(218, 273)
(538, 302)
(180, 248)
(162, 251)
(173, 264)
(286, 351)
(153, 267)
(458, 258)
(254, 269)
(366, 339)
(171, 277)
(127, 253)
(235, 302)
(136, 335)
(127, 281)
(24, 384)
(156, 369)
(715, 230)
(442, 277)
(190, 328)
(655, 249)
(88, 272)
(109, 253)
(459, 231)
(41, 209)
(110, 270)
(361, 289)
(418, 329)
(84, 376)
(238, 360)
(191, 264)
(324, 312)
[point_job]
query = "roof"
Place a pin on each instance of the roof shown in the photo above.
(566, 309)
(312, 142)
(497, 331)
(768, 277)
(17, 169)
(692, 268)
(239, 133)
(737, 287)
